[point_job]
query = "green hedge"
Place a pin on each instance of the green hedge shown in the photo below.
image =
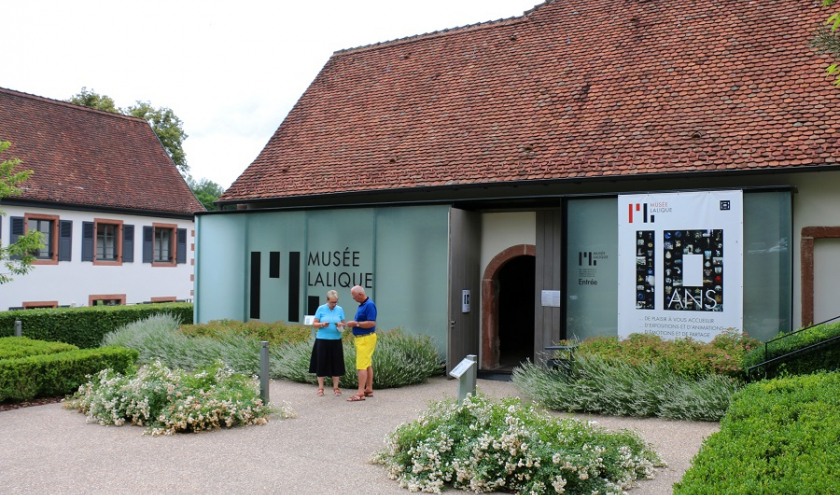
(51, 375)
(85, 327)
(18, 347)
(826, 359)
(778, 436)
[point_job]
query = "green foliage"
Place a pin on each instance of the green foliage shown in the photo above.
(827, 41)
(487, 446)
(827, 359)
(170, 401)
(166, 125)
(779, 436)
(205, 191)
(399, 360)
(60, 373)
(612, 387)
(686, 357)
(91, 99)
(84, 327)
(276, 333)
(10, 180)
(17, 347)
(157, 338)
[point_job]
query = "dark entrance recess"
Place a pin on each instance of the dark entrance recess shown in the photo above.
(516, 312)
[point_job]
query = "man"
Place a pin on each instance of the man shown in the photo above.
(364, 333)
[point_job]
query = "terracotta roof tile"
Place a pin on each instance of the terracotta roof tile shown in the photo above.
(83, 156)
(570, 89)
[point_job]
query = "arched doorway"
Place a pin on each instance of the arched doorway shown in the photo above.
(516, 312)
(507, 302)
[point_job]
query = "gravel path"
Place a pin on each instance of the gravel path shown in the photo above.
(325, 450)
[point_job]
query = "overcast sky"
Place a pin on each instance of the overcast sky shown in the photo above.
(231, 71)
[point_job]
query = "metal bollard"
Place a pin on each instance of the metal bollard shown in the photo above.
(264, 371)
(18, 328)
(466, 372)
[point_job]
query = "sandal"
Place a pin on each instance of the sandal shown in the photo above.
(320, 392)
(356, 398)
(337, 391)
(368, 393)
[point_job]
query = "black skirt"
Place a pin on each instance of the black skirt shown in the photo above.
(327, 358)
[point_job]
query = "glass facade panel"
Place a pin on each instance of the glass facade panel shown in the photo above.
(221, 265)
(412, 258)
(340, 254)
(768, 263)
(591, 268)
(283, 233)
(400, 255)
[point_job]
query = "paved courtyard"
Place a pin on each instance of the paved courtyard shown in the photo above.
(325, 450)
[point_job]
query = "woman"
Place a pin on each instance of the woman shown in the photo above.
(327, 353)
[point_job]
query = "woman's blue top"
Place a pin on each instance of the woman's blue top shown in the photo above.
(332, 316)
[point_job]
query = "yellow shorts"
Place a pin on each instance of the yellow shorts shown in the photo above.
(364, 350)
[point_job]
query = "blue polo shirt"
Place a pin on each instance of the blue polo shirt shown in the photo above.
(366, 312)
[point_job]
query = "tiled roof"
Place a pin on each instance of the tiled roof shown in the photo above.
(89, 157)
(572, 89)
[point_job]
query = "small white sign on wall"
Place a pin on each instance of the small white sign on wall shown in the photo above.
(465, 301)
(550, 298)
(309, 319)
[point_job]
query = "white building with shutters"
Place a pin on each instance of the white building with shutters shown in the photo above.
(115, 213)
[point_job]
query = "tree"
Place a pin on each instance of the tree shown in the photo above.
(14, 257)
(827, 40)
(206, 191)
(92, 100)
(167, 126)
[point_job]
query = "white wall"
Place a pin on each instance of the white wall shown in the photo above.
(500, 231)
(817, 204)
(72, 282)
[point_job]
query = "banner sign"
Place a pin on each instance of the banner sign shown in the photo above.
(680, 264)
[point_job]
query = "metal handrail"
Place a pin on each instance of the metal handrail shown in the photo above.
(796, 352)
(795, 332)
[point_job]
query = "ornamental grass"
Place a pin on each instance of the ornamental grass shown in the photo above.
(607, 386)
(400, 359)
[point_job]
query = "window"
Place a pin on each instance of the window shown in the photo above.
(164, 245)
(46, 228)
(40, 304)
(106, 300)
(48, 225)
(106, 241)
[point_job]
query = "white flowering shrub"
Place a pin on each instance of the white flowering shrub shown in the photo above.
(484, 446)
(170, 401)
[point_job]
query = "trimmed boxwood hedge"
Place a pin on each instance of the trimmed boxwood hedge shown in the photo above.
(826, 359)
(18, 347)
(85, 327)
(778, 436)
(62, 373)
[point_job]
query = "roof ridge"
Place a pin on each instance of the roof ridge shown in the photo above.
(67, 104)
(506, 21)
